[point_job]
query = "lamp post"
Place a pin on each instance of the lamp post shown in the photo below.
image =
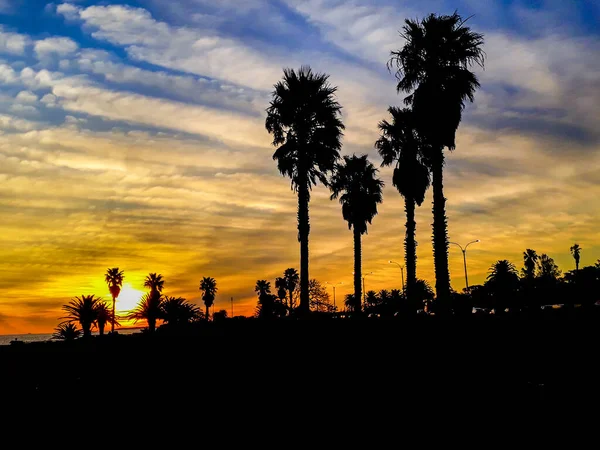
(401, 270)
(334, 285)
(464, 251)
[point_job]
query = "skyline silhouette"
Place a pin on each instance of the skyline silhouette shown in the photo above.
(152, 157)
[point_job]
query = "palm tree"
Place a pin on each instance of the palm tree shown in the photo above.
(350, 302)
(149, 309)
(208, 286)
(575, 251)
(281, 287)
(291, 278)
(84, 311)
(502, 283)
(400, 144)
(304, 119)
(66, 331)
(155, 282)
(104, 316)
(114, 280)
(359, 190)
(433, 66)
(530, 262)
(176, 311)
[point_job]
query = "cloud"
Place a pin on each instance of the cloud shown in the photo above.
(26, 97)
(60, 46)
(12, 43)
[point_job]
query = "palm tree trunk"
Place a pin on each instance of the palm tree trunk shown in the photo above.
(87, 330)
(151, 325)
(440, 236)
(357, 270)
(112, 324)
(410, 248)
(303, 231)
(207, 312)
(101, 329)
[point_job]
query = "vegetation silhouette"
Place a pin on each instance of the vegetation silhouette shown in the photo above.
(177, 312)
(291, 278)
(104, 316)
(433, 68)
(149, 309)
(114, 280)
(66, 331)
(208, 286)
(359, 190)
(401, 145)
(83, 310)
(304, 119)
(269, 305)
(576, 252)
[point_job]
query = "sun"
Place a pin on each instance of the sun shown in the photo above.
(128, 299)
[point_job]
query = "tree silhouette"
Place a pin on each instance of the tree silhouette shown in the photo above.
(262, 287)
(149, 309)
(177, 311)
(114, 280)
(281, 287)
(304, 119)
(66, 331)
(576, 251)
(433, 66)
(155, 282)
(530, 262)
(104, 316)
(291, 278)
(350, 302)
(548, 270)
(268, 304)
(359, 190)
(400, 144)
(208, 286)
(502, 284)
(83, 310)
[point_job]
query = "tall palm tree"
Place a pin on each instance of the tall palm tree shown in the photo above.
(530, 262)
(208, 286)
(433, 66)
(291, 278)
(83, 310)
(149, 309)
(155, 282)
(359, 190)
(304, 119)
(114, 280)
(576, 252)
(400, 144)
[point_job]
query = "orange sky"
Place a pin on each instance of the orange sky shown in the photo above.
(106, 161)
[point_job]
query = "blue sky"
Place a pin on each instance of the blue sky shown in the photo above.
(132, 134)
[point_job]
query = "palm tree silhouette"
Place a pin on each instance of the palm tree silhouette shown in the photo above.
(208, 286)
(576, 251)
(400, 144)
(359, 190)
(530, 262)
(503, 283)
(433, 66)
(149, 309)
(291, 278)
(281, 287)
(304, 119)
(176, 311)
(83, 310)
(114, 280)
(350, 302)
(105, 316)
(263, 287)
(66, 331)
(155, 282)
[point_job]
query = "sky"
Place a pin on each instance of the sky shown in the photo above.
(132, 135)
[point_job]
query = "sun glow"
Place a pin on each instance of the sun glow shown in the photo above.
(128, 299)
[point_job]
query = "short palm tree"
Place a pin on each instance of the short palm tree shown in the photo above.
(177, 311)
(304, 119)
(359, 190)
(434, 67)
(104, 316)
(502, 283)
(576, 252)
(155, 282)
(149, 309)
(114, 280)
(281, 287)
(400, 145)
(530, 262)
(208, 286)
(291, 278)
(66, 331)
(83, 310)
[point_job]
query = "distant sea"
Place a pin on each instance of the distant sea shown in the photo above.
(6, 338)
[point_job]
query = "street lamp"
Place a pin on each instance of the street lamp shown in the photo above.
(334, 285)
(401, 270)
(464, 251)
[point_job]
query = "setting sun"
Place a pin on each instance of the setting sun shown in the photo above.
(127, 300)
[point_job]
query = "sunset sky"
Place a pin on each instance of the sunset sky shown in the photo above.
(132, 135)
